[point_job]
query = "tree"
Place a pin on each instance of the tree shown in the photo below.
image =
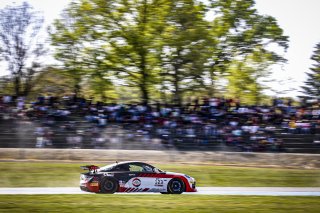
(243, 37)
(121, 32)
(170, 45)
(98, 79)
(67, 36)
(21, 48)
(184, 47)
(53, 82)
(312, 84)
(132, 41)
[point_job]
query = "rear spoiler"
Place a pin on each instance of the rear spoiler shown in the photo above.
(90, 168)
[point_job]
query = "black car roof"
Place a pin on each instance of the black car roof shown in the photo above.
(124, 163)
(128, 162)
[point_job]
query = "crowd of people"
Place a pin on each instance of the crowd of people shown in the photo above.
(209, 122)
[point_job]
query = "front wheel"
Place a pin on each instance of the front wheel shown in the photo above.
(109, 185)
(176, 186)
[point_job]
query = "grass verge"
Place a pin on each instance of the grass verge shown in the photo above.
(156, 203)
(48, 174)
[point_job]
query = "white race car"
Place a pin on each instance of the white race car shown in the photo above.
(133, 176)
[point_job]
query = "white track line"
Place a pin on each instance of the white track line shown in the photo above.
(253, 191)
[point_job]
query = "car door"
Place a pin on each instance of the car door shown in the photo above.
(127, 177)
(141, 178)
(151, 180)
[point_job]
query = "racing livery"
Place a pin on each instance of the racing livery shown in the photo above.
(134, 176)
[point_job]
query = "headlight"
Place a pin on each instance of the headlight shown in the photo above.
(192, 180)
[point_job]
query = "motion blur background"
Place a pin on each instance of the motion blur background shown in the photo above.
(154, 75)
(202, 76)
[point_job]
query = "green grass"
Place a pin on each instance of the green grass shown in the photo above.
(46, 174)
(156, 203)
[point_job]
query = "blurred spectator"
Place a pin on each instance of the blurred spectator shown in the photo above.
(203, 121)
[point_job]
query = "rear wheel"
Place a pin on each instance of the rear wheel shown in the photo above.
(176, 186)
(109, 185)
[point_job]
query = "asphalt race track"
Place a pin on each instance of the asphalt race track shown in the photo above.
(254, 191)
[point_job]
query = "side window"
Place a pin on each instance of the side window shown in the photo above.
(147, 168)
(135, 168)
(116, 168)
(121, 168)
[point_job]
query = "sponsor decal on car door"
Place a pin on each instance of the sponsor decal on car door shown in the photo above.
(151, 183)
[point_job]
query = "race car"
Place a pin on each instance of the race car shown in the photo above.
(134, 176)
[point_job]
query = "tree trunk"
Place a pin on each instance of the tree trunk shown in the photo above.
(76, 89)
(211, 91)
(17, 81)
(145, 94)
(27, 90)
(27, 87)
(142, 53)
(144, 80)
(176, 81)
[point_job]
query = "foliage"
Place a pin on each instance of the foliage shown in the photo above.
(152, 203)
(242, 52)
(312, 84)
(183, 49)
(168, 49)
(52, 82)
(51, 174)
(21, 48)
(117, 35)
(67, 37)
(6, 85)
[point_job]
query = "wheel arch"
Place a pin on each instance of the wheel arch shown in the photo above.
(185, 181)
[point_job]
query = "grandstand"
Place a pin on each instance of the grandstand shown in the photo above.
(245, 129)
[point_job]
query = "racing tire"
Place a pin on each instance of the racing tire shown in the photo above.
(176, 186)
(109, 185)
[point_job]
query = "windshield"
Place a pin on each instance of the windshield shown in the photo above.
(156, 170)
